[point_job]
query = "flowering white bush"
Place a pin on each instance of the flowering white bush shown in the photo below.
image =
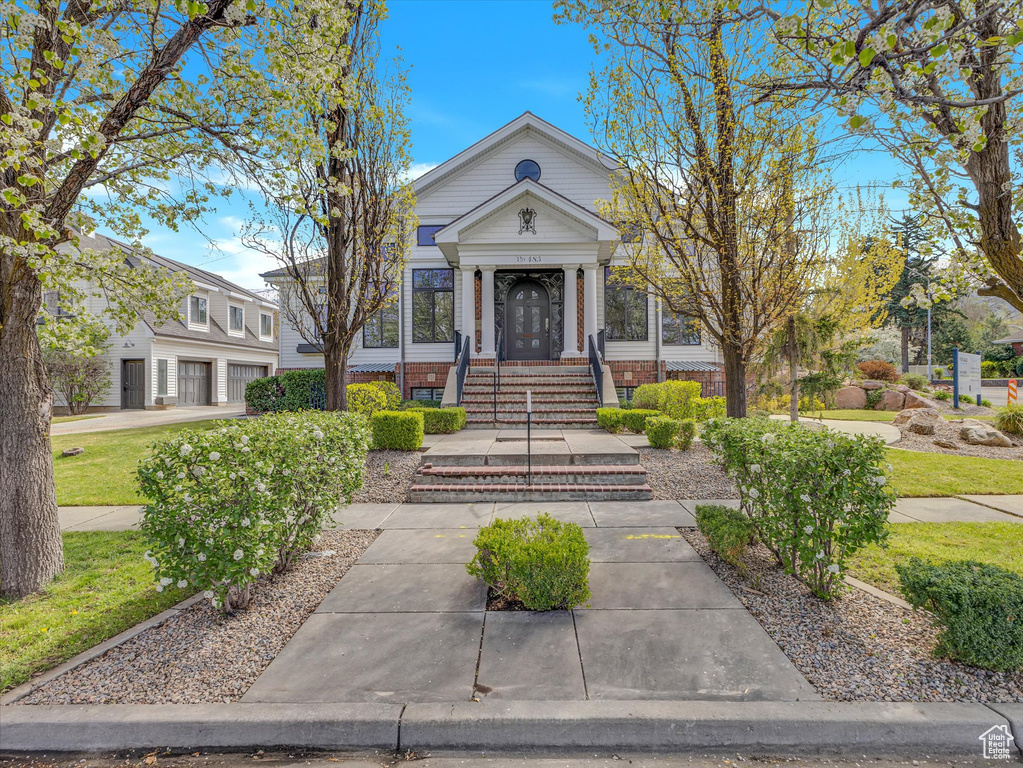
(814, 496)
(241, 499)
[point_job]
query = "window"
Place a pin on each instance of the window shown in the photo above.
(161, 378)
(425, 232)
(428, 393)
(527, 169)
(266, 325)
(626, 393)
(679, 329)
(433, 305)
(236, 319)
(625, 310)
(381, 329)
(197, 310)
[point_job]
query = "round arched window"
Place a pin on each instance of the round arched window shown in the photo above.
(527, 169)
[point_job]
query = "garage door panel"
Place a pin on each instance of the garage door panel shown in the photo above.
(193, 382)
(238, 376)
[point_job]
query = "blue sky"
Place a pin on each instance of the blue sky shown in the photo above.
(474, 65)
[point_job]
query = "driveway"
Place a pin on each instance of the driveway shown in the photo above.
(135, 419)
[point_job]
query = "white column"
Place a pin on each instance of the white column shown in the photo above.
(571, 307)
(589, 306)
(488, 349)
(469, 308)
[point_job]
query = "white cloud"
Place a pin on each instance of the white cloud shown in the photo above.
(419, 169)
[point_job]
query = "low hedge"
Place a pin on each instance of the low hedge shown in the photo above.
(635, 420)
(978, 606)
(686, 434)
(289, 391)
(610, 419)
(662, 431)
(729, 532)
(397, 430)
(441, 421)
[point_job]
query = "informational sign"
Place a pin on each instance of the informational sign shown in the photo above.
(966, 377)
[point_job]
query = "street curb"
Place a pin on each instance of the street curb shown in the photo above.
(1014, 714)
(870, 589)
(851, 728)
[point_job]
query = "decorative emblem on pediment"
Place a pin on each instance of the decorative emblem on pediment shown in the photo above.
(527, 220)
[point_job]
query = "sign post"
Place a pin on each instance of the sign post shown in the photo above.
(965, 377)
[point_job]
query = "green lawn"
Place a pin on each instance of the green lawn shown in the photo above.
(915, 473)
(995, 543)
(106, 588)
(105, 473)
(66, 419)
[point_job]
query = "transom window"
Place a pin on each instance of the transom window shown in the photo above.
(381, 328)
(625, 309)
(433, 305)
(236, 319)
(197, 310)
(679, 329)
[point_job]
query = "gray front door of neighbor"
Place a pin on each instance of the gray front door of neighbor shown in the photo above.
(238, 376)
(193, 383)
(528, 321)
(133, 383)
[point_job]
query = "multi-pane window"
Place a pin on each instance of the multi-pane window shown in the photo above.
(679, 329)
(425, 233)
(266, 325)
(428, 393)
(381, 328)
(626, 393)
(197, 310)
(625, 309)
(433, 305)
(236, 319)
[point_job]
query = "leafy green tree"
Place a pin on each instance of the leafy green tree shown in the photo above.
(951, 333)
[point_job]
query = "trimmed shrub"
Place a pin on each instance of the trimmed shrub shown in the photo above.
(989, 370)
(661, 431)
(646, 397)
(397, 430)
(1010, 419)
(978, 607)
(366, 398)
(441, 421)
(915, 381)
(242, 499)
(391, 393)
(610, 419)
(625, 404)
(814, 496)
(729, 532)
(686, 434)
(542, 563)
(705, 408)
(635, 420)
(879, 370)
(415, 404)
(676, 398)
(289, 391)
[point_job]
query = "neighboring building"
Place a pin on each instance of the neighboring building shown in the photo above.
(1015, 341)
(226, 337)
(511, 250)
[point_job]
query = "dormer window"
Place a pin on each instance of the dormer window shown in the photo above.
(236, 319)
(266, 326)
(197, 310)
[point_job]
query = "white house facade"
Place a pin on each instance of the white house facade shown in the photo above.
(512, 253)
(226, 336)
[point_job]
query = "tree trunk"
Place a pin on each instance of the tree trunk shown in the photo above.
(793, 370)
(905, 349)
(735, 381)
(30, 544)
(335, 363)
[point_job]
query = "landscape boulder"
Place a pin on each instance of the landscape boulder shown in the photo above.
(916, 400)
(72, 451)
(978, 433)
(902, 388)
(943, 442)
(921, 421)
(870, 384)
(890, 401)
(851, 397)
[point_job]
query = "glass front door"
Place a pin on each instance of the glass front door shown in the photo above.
(528, 322)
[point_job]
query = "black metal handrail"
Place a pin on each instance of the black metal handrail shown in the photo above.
(498, 357)
(458, 343)
(597, 369)
(463, 368)
(600, 343)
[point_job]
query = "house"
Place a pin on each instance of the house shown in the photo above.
(512, 253)
(225, 337)
(1015, 341)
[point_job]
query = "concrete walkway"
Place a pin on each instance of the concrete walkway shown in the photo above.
(889, 432)
(1008, 509)
(134, 419)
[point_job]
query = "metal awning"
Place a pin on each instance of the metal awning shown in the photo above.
(372, 368)
(692, 366)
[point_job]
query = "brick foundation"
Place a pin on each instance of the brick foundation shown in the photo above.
(633, 373)
(425, 375)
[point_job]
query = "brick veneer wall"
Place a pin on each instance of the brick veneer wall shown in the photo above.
(632, 373)
(419, 375)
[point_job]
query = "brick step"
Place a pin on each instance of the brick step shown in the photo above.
(520, 408)
(538, 420)
(543, 389)
(523, 369)
(536, 492)
(580, 474)
(512, 378)
(545, 452)
(516, 399)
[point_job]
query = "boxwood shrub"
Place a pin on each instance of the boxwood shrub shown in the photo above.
(729, 532)
(397, 430)
(289, 391)
(635, 420)
(366, 398)
(391, 393)
(441, 421)
(610, 419)
(646, 397)
(686, 434)
(661, 431)
(542, 563)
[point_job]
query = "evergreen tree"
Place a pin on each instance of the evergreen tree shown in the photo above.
(917, 267)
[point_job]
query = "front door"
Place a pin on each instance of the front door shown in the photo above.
(133, 383)
(528, 317)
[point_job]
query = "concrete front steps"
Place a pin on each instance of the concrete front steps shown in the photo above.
(563, 396)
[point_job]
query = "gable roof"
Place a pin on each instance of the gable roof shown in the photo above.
(525, 122)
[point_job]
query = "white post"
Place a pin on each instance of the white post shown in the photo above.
(487, 314)
(571, 324)
(589, 306)
(469, 308)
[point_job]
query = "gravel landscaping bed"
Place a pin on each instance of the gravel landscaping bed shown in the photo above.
(388, 476)
(690, 474)
(202, 656)
(914, 442)
(859, 648)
